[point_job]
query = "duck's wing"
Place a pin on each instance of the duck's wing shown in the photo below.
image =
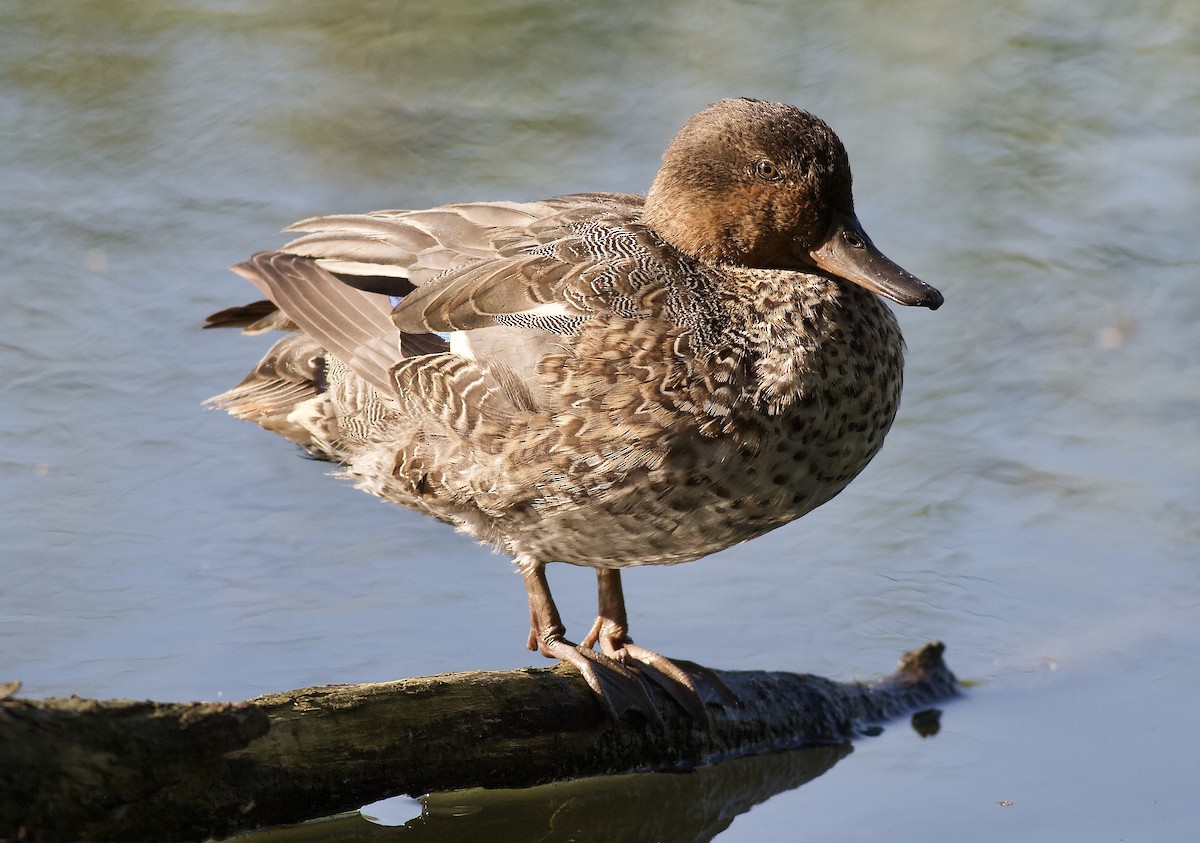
(356, 327)
(474, 265)
(507, 281)
(419, 246)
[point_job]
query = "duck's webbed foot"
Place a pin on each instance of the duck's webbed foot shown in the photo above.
(691, 685)
(617, 687)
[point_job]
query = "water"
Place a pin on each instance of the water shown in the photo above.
(1037, 505)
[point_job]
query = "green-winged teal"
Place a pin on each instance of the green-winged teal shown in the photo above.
(627, 380)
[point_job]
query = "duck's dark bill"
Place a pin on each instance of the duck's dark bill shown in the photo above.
(848, 252)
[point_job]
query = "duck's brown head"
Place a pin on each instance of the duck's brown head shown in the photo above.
(766, 185)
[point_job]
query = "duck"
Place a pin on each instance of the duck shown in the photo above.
(603, 379)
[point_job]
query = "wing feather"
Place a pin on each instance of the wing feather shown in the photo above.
(508, 275)
(354, 326)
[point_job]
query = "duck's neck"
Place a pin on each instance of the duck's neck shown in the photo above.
(805, 332)
(694, 228)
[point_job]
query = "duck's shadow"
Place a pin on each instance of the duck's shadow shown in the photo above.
(678, 807)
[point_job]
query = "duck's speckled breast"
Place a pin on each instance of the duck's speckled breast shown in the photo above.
(668, 447)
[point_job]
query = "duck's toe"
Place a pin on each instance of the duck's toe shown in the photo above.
(692, 686)
(617, 687)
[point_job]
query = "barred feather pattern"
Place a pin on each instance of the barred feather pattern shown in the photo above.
(605, 400)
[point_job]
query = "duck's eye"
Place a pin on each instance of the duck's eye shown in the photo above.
(767, 171)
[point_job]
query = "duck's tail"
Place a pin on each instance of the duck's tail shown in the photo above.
(284, 393)
(333, 329)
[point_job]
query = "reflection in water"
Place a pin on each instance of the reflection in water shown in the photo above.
(678, 807)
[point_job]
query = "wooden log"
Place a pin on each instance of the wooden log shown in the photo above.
(79, 769)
